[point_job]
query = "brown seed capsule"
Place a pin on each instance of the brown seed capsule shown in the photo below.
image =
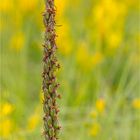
(59, 96)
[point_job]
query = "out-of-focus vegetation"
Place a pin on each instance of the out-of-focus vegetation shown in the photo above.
(99, 52)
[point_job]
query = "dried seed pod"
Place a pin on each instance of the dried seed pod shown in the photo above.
(59, 96)
(50, 102)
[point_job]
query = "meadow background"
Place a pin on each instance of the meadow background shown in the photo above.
(99, 53)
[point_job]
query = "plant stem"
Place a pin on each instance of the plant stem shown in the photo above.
(50, 85)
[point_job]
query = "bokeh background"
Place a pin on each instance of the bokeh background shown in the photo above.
(99, 53)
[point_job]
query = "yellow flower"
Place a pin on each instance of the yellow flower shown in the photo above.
(5, 128)
(6, 5)
(60, 6)
(96, 58)
(136, 103)
(107, 11)
(83, 57)
(95, 129)
(114, 40)
(87, 61)
(133, 4)
(6, 109)
(33, 121)
(98, 12)
(111, 9)
(100, 105)
(27, 5)
(17, 41)
(65, 47)
(63, 40)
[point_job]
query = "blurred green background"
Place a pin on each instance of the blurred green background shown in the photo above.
(99, 53)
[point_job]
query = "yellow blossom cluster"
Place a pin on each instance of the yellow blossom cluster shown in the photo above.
(99, 110)
(6, 124)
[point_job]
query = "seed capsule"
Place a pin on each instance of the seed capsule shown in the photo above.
(53, 138)
(52, 112)
(49, 121)
(57, 134)
(55, 123)
(50, 102)
(46, 109)
(46, 137)
(46, 126)
(51, 132)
